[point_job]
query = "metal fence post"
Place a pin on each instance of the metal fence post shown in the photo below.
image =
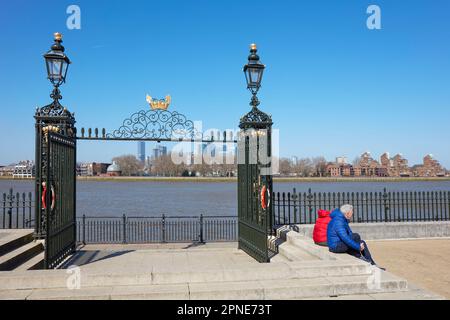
(310, 196)
(294, 197)
(84, 229)
(201, 229)
(23, 210)
(10, 218)
(29, 210)
(386, 208)
(17, 209)
(124, 229)
(163, 228)
(11, 203)
(448, 205)
(4, 210)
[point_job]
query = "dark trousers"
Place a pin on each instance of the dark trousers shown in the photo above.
(343, 248)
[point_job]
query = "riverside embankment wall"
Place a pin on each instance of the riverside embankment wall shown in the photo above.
(392, 230)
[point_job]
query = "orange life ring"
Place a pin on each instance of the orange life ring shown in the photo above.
(44, 194)
(265, 197)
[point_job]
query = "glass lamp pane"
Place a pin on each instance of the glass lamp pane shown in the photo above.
(49, 66)
(56, 67)
(247, 78)
(250, 78)
(254, 75)
(260, 76)
(65, 66)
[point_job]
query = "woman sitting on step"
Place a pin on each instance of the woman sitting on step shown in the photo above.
(320, 228)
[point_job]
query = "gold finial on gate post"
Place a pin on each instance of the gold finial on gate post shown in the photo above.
(58, 36)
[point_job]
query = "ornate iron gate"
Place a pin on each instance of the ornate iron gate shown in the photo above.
(255, 184)
(55, 181)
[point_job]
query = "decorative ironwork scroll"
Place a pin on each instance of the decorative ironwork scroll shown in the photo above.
(255, 119)
(54, 109)
(156, 124)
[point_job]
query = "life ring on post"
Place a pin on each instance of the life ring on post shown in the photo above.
(265, 197)
(44, 195)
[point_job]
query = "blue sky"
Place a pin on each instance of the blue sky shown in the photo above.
(333, 86)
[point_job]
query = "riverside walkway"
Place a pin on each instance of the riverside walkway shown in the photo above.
(422, 261)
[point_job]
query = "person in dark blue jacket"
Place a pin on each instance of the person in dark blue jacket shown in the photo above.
(340, 237)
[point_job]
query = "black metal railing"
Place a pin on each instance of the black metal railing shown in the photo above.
(154, 229)
(16, 210)
(301, 207)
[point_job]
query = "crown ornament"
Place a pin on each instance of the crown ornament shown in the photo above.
(158, 104)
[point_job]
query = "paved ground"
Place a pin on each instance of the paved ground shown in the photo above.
(425, 262)
(211, 271)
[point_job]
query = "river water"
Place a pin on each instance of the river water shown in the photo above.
(149, 198)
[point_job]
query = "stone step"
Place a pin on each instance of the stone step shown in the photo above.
(295, 253)
(10, 240)
(35, 263)
(402, 295)
(172, 275)
(20, 255)
(257, 289)
(308, 245)
(138, 292)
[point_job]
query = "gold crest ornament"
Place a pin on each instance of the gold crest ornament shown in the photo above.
(47, 129)
(158, 104)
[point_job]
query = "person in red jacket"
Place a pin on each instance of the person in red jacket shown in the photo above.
(320, 228)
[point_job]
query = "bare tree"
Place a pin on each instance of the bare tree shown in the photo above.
(305, 167)
(285, 167)
(164, 166)
(129, 165)
(320, 165)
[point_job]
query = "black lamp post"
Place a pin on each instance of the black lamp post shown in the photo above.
(54, 119)
(57, 63)
(253, 71)
(254, 169)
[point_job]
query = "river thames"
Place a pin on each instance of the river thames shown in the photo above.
(154, 198)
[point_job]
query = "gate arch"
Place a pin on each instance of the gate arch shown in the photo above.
(56, 145)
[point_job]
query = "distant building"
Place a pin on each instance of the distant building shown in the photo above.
(368, 167)
(365, 159)
(6, 171)
(399, 167)
(341, 160)
(365, 167)
(385, 160)
(333, 170)
(209, 149)
(24, 169)
(396, 166)
(159, 151)
(141, 151)
(114, 170)
(294, 160)
(93, 169)
(429, 168)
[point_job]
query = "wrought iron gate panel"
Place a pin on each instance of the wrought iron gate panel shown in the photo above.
(61, 214)
(254, 185)
(55, 183)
